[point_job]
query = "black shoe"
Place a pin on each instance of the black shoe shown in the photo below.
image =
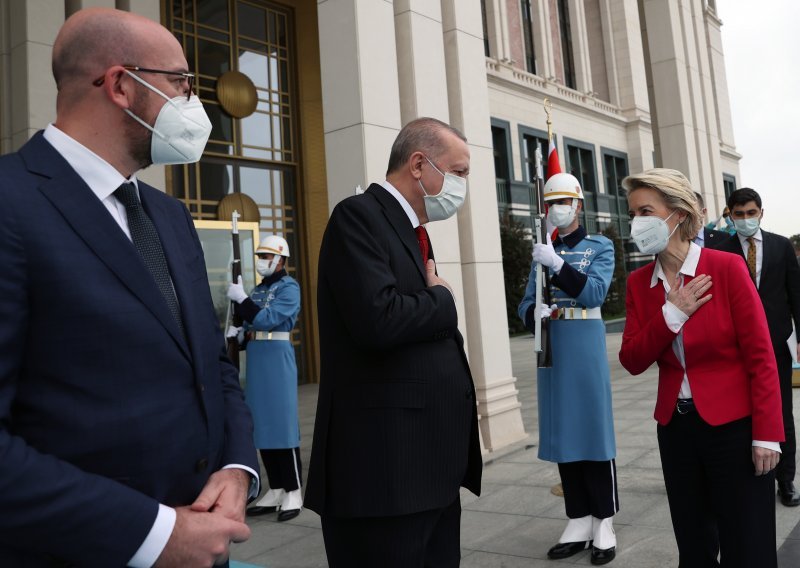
(600, 557)
(258, 511)
(788, 494)
(288, 514)
(567, 549)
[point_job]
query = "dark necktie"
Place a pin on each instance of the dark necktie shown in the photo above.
(145, 239)
(751, 258)
(424, 243)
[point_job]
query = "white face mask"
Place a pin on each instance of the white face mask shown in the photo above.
(651, 234)
(562, 216)
(181, 130)
(747, 227)
(267, 267)
(445, 204)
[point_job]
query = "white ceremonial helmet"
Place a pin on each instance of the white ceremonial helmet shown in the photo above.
(273, 244)
(561, 186)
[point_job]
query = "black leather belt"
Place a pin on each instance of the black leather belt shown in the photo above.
(685, 406)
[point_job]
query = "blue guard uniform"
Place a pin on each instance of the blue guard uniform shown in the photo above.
(271, 388)
(576, 424)
(575, 416)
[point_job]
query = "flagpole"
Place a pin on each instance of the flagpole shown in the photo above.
(548, 106)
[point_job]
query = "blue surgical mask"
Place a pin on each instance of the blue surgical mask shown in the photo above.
(747, 227)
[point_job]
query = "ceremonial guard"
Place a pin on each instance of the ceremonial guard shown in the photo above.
(576, 426)
(269, 314)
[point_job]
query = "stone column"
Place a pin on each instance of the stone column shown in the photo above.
(631, 85)
(479, 233)
(580, 47)
(360, 91)
(31, 91)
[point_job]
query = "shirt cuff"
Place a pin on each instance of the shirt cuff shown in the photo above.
(774, 446)
(156, 540)
(255, 480)
(673, 317)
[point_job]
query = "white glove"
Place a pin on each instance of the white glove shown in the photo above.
(232, 332)
(236, 292)
(546, 255)
(544, 311)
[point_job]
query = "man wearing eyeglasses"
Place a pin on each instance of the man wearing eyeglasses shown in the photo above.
(124, 436)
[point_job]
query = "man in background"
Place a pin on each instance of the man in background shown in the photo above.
(774, 270)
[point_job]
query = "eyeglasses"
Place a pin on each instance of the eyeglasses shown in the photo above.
(189, 77)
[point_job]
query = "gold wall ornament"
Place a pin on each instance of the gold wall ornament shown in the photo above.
(241, 202)
(237, 94)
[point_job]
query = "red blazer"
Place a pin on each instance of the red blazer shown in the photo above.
(729, 357)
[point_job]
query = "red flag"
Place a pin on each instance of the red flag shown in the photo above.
(553, 166)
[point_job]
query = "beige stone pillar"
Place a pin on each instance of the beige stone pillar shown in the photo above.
(580, 47)
(31, 91)
(630, 81)
(479, 234)
(360, 91)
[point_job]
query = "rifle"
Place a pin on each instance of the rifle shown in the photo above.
(236, 272)
(541, 334)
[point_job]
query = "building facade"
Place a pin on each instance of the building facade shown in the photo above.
(306, 97)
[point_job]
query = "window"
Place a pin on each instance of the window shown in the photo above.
(527, 36)
(502, 160)
(615, 168)
(580, 163)
(530, 139)
(566, 44)
(729, 185)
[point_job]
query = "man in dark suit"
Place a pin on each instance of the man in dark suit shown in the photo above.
(124, 436)
(775, 272)
(396, 432)
(707, 237)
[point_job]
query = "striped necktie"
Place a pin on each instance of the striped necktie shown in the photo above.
(751, 259)
(148, 244)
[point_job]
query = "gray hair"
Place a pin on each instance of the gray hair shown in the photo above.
(420, 135)
(677, 193)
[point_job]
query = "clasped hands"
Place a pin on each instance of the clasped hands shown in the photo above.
(546, 255)
(205, 529)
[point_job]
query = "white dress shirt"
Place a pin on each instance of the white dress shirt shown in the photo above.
(412, 216)
(675, 319)
(103, 179)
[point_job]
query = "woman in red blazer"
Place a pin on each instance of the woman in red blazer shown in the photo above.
(696, 313)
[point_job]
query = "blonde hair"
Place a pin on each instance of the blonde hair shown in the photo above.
(677, 193)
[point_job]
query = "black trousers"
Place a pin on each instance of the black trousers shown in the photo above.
(284, 469)
(717, 503)
(429, 539)
(786, 466)
(590, 488)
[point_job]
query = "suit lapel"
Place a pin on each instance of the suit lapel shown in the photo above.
(91, 221)
(400, 223)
